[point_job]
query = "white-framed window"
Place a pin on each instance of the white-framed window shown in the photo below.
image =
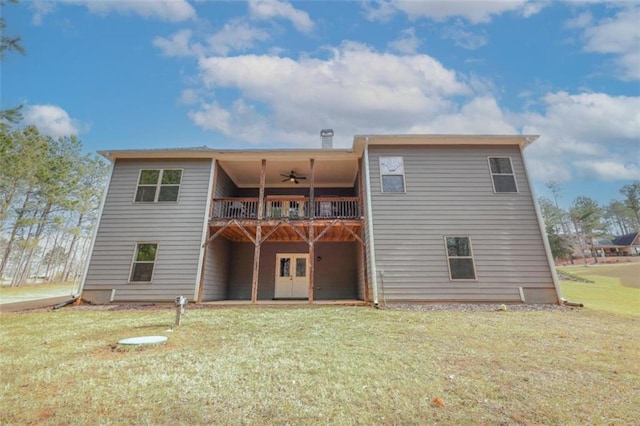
(144, 261)
(502, 176)
(158, 185)
(460, 258)
(392, 174)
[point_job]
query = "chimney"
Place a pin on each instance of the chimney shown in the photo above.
(327, 138)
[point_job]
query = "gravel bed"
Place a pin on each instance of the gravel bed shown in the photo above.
(477, 307)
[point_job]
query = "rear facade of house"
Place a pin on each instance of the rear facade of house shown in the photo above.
(409, 218)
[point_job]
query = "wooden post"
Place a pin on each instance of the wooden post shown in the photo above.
(312, 203)
(363, 244)
(263, 176)
(256, 265)
(363, 259)
(258, 242)
(312, 260)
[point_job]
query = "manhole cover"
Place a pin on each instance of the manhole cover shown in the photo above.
(144, 340)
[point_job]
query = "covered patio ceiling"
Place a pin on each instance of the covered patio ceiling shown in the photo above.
(330, 172)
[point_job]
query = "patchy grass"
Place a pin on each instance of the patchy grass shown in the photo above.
(614, 288)
(340, 365)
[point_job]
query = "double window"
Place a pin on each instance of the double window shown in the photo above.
(392, 174)
(504, 180)
(460, 258)
(144, 261)
(158, 185)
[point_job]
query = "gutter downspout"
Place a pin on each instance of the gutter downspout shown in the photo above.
(543, 234)
(371, 245)
(95, 232)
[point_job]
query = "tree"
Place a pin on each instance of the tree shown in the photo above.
(7, 44)
(47, 188)
(552, 216)
(556, 191)
(619, 217)
(92, 172)
(586, 217)
(632, 200)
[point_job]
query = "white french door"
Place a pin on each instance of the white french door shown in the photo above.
(292, 275)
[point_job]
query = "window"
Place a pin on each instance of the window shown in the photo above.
(143, 262)
(502, 174)
(158, 185)
(392, 174)
(460, 258)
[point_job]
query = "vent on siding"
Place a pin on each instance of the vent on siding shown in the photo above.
(327, 138)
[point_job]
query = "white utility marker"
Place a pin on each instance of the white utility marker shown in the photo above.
(144, 340)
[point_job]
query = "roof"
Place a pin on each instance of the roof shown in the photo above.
(359, 142)
(627, 239)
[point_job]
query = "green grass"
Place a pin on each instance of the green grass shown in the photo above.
(615, 288)
(330, 365)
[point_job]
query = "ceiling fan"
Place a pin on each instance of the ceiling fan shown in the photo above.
(292, 177)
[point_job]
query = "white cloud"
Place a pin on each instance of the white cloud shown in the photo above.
(235, 35)
(407, 42)
(178, 44)
(609, 170)
(584, 135)
(41, 8)
(473, 11)
(270, 9)
(464, 38)
(353, 91)
(52, 120)
(481, 115)
(164, 10)
(618, 36)
(241, 120)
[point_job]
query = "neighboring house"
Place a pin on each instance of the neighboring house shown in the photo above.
(406, 218)
(623, 245)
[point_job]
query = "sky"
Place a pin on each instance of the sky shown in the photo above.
(128, 74)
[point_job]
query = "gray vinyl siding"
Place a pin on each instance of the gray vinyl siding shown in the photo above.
(335, 274)
(449, 192)
(216, 273)
(175, 226)
(224, 185)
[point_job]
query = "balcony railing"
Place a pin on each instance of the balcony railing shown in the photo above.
(287, 207)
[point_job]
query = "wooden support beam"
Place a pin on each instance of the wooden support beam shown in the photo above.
(312, 261)
(271, 231)
(312, 204)
(256, 266)
(300, 233)
(353, 234)
(217, 234)
(363, 259)
(251, 238)
(325, 230)
(263, 178)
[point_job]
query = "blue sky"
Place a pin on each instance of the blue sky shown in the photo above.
(175, 73)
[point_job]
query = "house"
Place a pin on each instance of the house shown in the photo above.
(395, 218)
(622, 245)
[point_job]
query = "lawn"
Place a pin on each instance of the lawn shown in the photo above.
(614, 288)
(337, 365)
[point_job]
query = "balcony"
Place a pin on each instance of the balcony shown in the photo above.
(287, 207)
